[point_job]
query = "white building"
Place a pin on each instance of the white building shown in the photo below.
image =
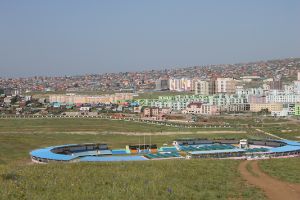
(289, 89)
(250, 91)
(282, 98)
(85, 108)
(249, 78)
(181, 84)
(297, 87)
(180, 102)
(27, 98)
(7, 100)
(282, 113)
(199, 108)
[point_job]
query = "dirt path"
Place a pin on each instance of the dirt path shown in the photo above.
(273, 188)
(275, 136)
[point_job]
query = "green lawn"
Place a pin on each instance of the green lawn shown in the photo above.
(284, 169)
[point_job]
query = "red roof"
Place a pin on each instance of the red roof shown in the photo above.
(198, 104)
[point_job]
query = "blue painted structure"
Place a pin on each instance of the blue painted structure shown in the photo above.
(46, 153)
(93, 155)
(119, 151)
(218, 151)
(112, 158)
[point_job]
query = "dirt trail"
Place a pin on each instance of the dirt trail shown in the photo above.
(270, 134)
(273, 188)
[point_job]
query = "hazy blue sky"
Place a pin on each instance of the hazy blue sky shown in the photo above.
(60, 37)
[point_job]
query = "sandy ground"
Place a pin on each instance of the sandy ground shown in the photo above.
(273, 188)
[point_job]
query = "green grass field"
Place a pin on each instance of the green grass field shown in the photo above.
(168, 179)
(287, 131)
(283, 169)
(88, 124)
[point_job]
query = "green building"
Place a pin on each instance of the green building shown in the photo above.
(297, 109)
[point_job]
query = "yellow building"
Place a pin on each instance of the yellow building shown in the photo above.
(256, 107)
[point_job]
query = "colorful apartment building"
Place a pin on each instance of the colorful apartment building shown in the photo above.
(257, 107)
(85, 99)
(201, 109)
(180, 102)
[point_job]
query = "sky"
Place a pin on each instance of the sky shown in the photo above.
(70, 37)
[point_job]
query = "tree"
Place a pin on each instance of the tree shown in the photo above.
(264, 111)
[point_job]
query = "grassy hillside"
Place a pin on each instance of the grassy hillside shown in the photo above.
(168, 179)
(172, 179)
(88, 124)
(284, 169)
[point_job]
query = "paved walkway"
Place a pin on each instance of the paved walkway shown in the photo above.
(273, 188)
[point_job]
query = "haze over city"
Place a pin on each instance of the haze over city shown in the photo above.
(57, 38)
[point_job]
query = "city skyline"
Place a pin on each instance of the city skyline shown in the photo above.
(58, 38)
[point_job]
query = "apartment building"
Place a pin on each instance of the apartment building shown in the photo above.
(181, 84)
(257, 107)
(297, 107)
(162, 84)
(250, 91)
(85, 99)
(297, 87)
(225, 85)
(282, 98)
(180, 102)
(200, 108)
(152, 113)
(202, 87)
(276, 84)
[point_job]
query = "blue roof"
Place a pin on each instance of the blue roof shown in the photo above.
(105, 152)
(293, 143)
(167, 149)
(217, 151)
(291, 146)
(46, 153)
(286, 148)
(85, 153)
(118, 151)
(90, 156)
(111, 158)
